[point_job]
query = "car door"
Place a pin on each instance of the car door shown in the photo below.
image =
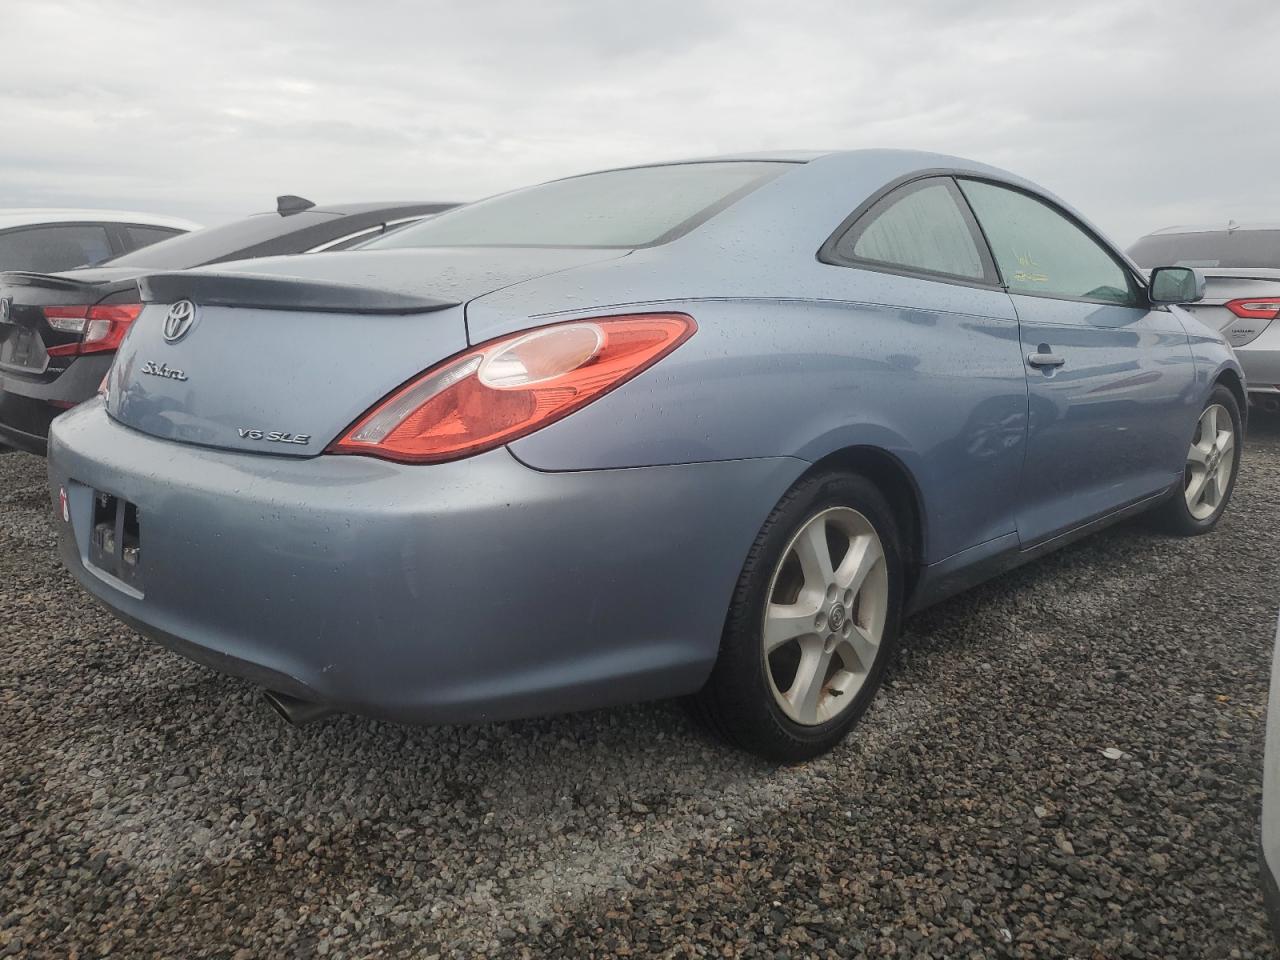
(942, 343)
(1108, 376)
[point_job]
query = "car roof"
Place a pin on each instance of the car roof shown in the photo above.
(826, 175)
(347, 209)
(892, 162)
(32, 216)
(1229, 227)
(776, 156)
(767, 156)
(821, 192)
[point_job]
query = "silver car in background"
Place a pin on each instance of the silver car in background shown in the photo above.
(1241, 266)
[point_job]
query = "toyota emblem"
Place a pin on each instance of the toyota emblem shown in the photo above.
(182, 315)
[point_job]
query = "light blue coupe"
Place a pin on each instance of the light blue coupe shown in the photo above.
(706, 428)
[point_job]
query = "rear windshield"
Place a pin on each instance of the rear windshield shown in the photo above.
(215, 243)
(620, 208)
(1214, 248)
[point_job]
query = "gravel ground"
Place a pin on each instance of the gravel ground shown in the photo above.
(1066, 762)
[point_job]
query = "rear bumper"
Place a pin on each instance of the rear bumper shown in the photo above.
(468, 591)
(28, 405)
(1260, 360)
(21, 440)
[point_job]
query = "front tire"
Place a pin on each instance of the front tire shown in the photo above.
(1209, 476)
(812, 622)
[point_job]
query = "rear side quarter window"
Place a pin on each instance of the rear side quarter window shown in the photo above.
(921, 228)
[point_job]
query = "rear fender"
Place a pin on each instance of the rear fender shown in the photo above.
(943, 394)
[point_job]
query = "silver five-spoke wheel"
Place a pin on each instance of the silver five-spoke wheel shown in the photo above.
(825, 615)
(1209, 462)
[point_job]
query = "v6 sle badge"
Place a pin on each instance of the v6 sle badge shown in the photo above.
(273, 436)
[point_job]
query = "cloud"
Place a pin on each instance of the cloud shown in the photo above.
(210, 110)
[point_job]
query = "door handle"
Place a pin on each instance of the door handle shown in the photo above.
(1045, 360)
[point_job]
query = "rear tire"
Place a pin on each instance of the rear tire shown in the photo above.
(829, 628)
(1209, 476)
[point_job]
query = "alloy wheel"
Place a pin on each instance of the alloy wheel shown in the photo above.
(1210, 462)
(825, 615)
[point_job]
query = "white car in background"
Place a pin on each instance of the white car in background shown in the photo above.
(47, 241)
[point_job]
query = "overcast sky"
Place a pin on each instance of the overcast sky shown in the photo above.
(1140, 113)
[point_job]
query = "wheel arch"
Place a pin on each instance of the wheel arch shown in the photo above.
(899, 487)
(1230, 379)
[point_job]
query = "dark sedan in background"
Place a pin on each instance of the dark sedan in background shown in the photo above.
(59, 332)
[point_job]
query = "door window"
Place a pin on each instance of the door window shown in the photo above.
(1041, 252)
(55, 247)
(919, 228)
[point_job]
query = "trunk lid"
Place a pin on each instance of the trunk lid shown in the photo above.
(281, 355)
(25, 334)
(1224, 285)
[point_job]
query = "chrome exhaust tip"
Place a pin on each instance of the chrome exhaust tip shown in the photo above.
(294, 711)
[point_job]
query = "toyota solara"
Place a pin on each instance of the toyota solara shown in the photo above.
(704, 429)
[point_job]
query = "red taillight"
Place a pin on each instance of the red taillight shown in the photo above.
(101, 327)
(510, 387)
(1255, 308)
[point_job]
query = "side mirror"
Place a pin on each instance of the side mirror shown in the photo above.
(1176, 285)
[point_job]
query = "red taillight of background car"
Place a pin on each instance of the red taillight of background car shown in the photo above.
(101, 327)
(510, 387)
(1255, 308)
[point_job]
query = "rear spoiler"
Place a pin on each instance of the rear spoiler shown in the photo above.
(261, 292)
(24, 278)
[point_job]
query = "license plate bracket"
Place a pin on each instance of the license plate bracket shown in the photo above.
(115, 538)
(20, 347)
